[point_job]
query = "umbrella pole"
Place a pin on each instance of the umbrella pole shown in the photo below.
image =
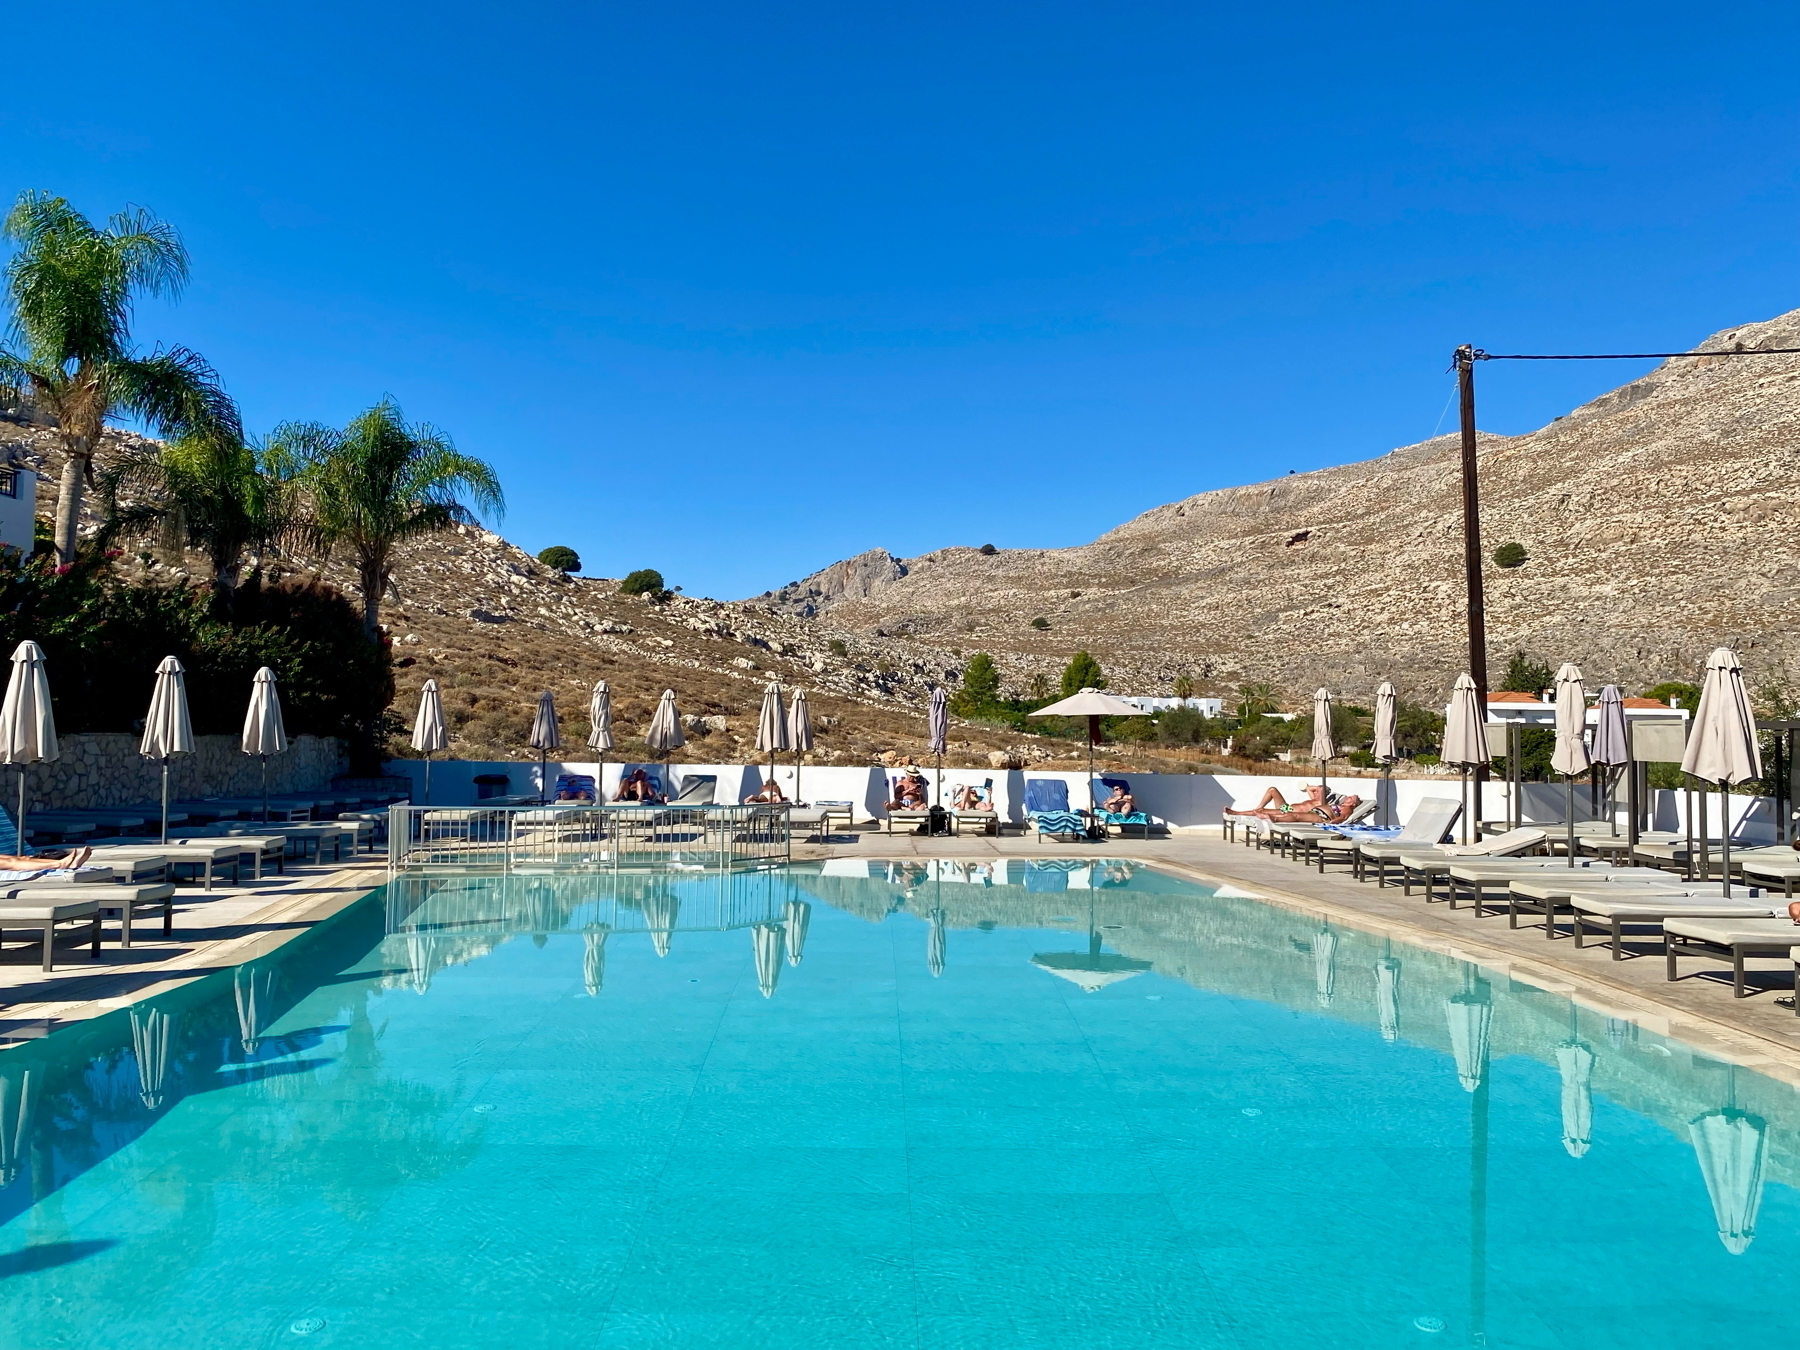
(265, 788)
(1725, 834)
(427, 801)
(1462, 795)
(23, 846)
(543, 775)
(1569, 788)
(165, 799)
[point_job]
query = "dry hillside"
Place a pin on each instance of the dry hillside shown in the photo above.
(1658, 518)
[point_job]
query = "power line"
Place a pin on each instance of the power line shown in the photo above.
(1480, 355)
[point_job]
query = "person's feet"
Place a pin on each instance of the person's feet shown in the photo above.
(1794, 911)
(78, 858)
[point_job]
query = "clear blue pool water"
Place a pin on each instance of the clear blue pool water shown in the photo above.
(1049, 1106)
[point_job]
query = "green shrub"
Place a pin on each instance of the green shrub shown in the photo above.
(1685, 695)
(838, 647)
(1426, 761)
(1082, 672)
(562, 558)
(1363, 759)
(644, 581)
(987, 550)
(1040, 623)
(1527, 675)
(980, 689)
(1511, 555)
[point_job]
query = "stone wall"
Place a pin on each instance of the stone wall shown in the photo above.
(105, 769)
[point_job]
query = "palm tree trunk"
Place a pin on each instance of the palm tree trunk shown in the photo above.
(372, 580)
(68, 505)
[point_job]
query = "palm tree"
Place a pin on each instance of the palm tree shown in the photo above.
(71, 288)
(1254, 700)
(207, 491)
(381, 481)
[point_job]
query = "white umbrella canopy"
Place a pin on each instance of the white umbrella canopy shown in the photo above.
(1470, 1016)
(1387, 997)
(600, 732)
(1570, 756)
(766, 942)
(1091, 973)
(1575, 1062)
(937, 733)
(264, 734)
(1093, 705)
(800, 737)
(772, 724)
(167, 729)
(1722, 748)
(27, 724)
(1387, 717)
(1465, 725)
(1609, 746)
(546, 735)
(795, 917)
(1324, 954)
(429, 732)
(1323, 747)
(665, 735)
(1729, 1145)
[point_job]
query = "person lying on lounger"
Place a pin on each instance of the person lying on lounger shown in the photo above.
(910, 792)
(1316, 807)
(44, 862)
(966, 799)
(768, 792)
(1121, 803)
(637, 788)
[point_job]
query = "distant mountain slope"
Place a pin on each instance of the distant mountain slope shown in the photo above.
(1659, 520)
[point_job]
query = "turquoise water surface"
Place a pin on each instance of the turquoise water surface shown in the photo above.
(1050, 1105)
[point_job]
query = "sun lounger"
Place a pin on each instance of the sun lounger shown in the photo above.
(1427, 866)
(1770, 867)
(44, 916)
(257, 843)
(1473, 878)
(1548, 893)
(697, 789)
(140, 866)
(1047, 810)
(1431, 820)
(122, 902)
(205, 857)
(1510, 844)
(983, 817)
(1738, 938)
(1610, 908)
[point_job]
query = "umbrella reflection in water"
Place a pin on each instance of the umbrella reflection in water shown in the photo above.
(1730, 1145)
(17, 1100)
(766, 943)
(1387, 997)
(1324, 952)
(661, 909)
(1093, 969)
(150, 1045)
(936, 943)
(593, 959)
(250, 988)
(796, 916)
(1576, 1064)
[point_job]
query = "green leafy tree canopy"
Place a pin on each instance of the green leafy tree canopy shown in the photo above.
(644, 581)
(561, 557)
(980, 689)
(1525, 674)
(1082, 672)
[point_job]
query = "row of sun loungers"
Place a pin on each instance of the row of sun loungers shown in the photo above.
(1671, 895)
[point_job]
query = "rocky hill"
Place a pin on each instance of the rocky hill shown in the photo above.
(1658, 520)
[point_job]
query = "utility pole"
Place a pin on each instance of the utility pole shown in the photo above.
(1464, 361)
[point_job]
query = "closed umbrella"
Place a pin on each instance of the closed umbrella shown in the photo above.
(600, 732)
(150, 1034)
(27, 725)
(937, 733)
(1093, 705)
(167, 730)
(429, 733)
(1465, 737)
(1324, 749)
(765, 942)
(18, 1100)
(800, 738)
(1575, 1062)
(1387, 997)
(796, 917)
(1570, 756)
(1610, 747)
(593, 959)
(1723, 748)
(264, 735)
(937, 945)
(1387, 719)
(1470, 1014)
(546, 736)
(1729, 1145)
(772, 726)
(1324, 953)
(661, 909)
(664, 736)
(250, 990)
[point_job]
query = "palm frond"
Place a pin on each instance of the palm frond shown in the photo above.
(177, 392)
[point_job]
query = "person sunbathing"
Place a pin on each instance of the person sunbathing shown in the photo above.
(1121, 803)
(769, 792)
(1316, 807)
(966, 799)
(1312, 797)
(17, 868)
(637, 787)
(910, 792)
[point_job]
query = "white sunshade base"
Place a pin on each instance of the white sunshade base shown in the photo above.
(264, 733)
(27, 725)
(1465, 725)
(1570, 756)
(429, 733)
(1723, 748)
(167, 729)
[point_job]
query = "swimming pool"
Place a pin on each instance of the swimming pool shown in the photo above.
(923, 1105)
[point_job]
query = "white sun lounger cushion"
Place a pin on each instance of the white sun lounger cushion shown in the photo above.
(1735, 932)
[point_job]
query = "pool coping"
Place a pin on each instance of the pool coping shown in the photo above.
(1743, 1046)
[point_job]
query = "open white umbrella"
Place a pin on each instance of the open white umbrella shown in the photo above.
(1610, 747)
(546, 736)
(664, 736)
(1093, 705)
(1723, 748)
(1465, 738)
(1324, 749)
(1575, 1062)
(1387, 997)
(18, 1101)
(593, 959)
(600, 732)
(1387, 720)
(167, 730)
(1570, 756)
(1729, 1145)
(800, 738)
(264, 734)
(1470, 1014)
(27, 725)
(766, 942)
(429, 732)
(1324, 954)
(772, 725)
(796, 917)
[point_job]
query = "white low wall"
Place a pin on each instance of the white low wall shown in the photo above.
(1181, 800)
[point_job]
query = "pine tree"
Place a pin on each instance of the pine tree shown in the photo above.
(1082, 672)
(980, 686)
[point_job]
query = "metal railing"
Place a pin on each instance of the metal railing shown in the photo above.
(555, 837)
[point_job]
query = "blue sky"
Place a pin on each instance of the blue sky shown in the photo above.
(734, 291)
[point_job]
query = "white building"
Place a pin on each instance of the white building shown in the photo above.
(1206, 707)
(18, 507)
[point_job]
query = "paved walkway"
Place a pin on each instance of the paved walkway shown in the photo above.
(1698, 1008)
